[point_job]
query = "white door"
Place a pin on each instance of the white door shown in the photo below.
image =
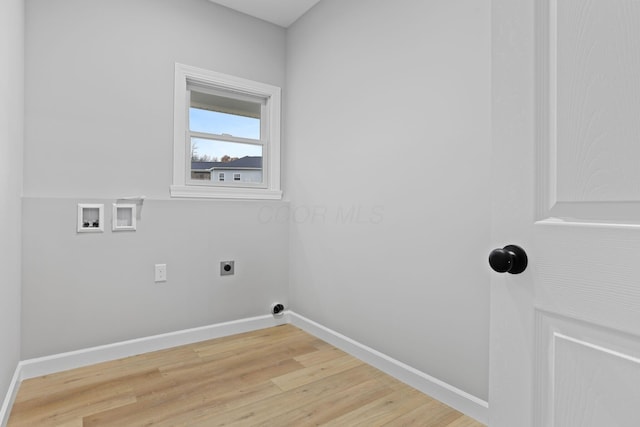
(565, 346)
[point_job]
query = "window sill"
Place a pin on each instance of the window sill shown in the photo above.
(201, 192)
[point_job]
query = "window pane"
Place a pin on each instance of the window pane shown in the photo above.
(219, 115)
(223, 123)
(223, 161)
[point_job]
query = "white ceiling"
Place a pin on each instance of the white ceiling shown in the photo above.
(279, 12)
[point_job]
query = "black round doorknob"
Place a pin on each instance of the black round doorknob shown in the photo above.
(510, 259)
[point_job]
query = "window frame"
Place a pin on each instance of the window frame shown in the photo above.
(182, 185)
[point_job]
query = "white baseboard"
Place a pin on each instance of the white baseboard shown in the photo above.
(457, 399)
(464, 402)
(75, 359)
(10, 397)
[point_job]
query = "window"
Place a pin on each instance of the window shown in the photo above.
(225, 124)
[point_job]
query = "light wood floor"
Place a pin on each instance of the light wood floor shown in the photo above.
(274, 377)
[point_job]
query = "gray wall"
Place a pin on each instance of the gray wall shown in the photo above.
(99, 125)
(398, 265)
(11, 136)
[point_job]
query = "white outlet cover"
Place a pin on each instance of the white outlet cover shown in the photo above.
(161, 273)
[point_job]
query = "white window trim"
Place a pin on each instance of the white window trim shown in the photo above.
(182, 152)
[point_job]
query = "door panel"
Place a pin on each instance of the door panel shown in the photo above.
(588, 96)
(589, 376)
(597, 63)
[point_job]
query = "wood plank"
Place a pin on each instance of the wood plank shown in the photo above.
(430, 414)
(465, 422)
(316, 372)
(183, 408)
(330, 406)
(320, 356)
(382, 410)
(68, 407)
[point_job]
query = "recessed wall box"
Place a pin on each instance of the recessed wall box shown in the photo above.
(123, 217)
(90, 218)
(227, 268)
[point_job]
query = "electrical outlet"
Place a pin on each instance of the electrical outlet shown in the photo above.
(227, 268)
(161, 273)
